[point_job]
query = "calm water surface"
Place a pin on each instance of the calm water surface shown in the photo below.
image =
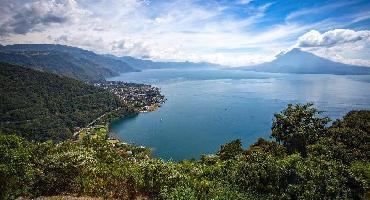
(206, 108)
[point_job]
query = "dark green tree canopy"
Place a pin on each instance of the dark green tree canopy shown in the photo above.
(230, 150)
(298, 126)
(41, 106)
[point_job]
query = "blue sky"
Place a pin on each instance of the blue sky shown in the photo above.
(235, 33)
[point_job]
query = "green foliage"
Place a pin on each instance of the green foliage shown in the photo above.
(335, 166)
(41, 106)
(298, 126)
(315, 178)
(347, 140)
(353, 132)
(16, 170)
(262, 174)
(269, 147)
(230, 150)
(356, 120)
(359, 179)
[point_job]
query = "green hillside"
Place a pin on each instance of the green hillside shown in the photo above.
(39, 105)
(58, 63)
(64, 60)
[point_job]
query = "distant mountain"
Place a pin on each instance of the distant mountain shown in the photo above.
(41, 105)
(64, 60)
(58, 63)
(149, 64)
(301, 62)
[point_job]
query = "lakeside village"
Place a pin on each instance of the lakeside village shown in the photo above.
(143, 97)
(140, 98)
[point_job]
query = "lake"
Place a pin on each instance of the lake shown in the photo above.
(209, 107)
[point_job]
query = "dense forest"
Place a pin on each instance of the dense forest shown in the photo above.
(40, 106)
(308, 157)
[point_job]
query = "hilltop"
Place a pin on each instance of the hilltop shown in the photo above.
(64, 60)
(301, 62)
(83, 64)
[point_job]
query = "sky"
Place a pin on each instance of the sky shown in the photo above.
(227, 32)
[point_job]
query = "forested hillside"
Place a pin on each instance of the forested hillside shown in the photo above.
(40, 105)
(58, 63)
(307, 159)
(64, 60)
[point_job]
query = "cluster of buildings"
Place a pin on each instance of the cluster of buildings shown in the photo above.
(142, 97)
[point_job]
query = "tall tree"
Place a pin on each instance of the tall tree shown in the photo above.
(298, 126)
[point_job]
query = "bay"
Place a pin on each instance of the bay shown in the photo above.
(209, 107)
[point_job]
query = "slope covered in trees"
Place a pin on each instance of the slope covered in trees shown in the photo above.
(308, 159)
(58, 63)
(64, 60)
(39, 105)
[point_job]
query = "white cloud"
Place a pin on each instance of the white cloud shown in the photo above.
(343, 54)
(333, 37)
(167, 30)
(342, 45)
(182, 30)
(130, 47)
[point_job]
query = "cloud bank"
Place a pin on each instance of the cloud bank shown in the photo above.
(338, 45)
(332, 38)
(236, 33)
(21, 17)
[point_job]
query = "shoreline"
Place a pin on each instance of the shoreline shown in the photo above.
(114, 136)
(151, 108)
(136, 98)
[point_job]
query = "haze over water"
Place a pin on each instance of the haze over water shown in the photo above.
(207, 108)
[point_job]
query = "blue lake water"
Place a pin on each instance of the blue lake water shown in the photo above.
(207, 108)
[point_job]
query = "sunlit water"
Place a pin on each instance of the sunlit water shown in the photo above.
(206, 108)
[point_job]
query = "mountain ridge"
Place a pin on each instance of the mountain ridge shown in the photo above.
(150, 64)
(68, 61)
(302, 62)
(84, 64)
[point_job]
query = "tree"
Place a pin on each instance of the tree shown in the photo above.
(298, 126)
(352, 133)
(270, 147)
(230, 150)
(16, 172)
